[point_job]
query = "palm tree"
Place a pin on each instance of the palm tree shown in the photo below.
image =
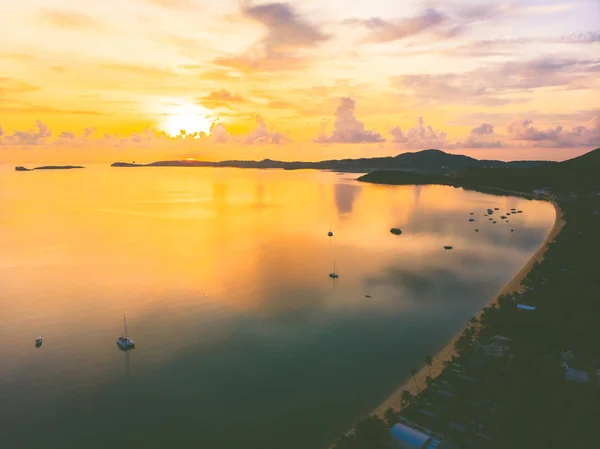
(473, 320)
(414, 373)
(429, 362)
(391, 417)
(428, 381)
(406, 398)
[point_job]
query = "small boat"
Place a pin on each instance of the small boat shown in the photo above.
(367, 296)
(330, 233)
(124, 342)
(471, 213)
(333, 275)
(512, 230)
(496, 208)
(447, 247)
(396, 231)
(519, 212)
(38, 342)
(476, 229)
(512, 208)
(471, 219)
(493, 222)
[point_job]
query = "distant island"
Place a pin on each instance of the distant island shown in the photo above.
(421, 161)
(48, 167)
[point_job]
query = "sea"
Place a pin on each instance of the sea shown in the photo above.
(242, 337)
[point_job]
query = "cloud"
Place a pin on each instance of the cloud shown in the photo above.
(262, 134)
(13, 85)
(557, 136)
(347, 128)
(444, 22)
(37, 136)
(137, 70)
(34, 109)
(482, 136)
(219, 133)
(71, 20)
(286, 33)
(173, 4)
(489, 85)
(220, 98)
(280, 104)
(485, 129)
(581, 38)
(421, 136)
(388, 31)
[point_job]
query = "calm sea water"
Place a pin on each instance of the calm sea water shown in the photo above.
(242, 338)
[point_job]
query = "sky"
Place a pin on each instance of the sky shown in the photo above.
(297, 80)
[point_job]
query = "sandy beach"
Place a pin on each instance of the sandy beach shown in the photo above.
(394, 401)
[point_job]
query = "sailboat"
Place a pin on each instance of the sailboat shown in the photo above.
(124, 341)
(330, 234)
(333, 275)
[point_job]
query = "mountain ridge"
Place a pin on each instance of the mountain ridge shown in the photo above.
(430, 160)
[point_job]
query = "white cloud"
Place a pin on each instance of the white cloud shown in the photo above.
(421, 136)
(347, 128)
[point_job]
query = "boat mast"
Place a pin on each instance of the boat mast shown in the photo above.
(124, 326)
(334, 267)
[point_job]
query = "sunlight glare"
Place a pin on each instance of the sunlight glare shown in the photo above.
(187, 117)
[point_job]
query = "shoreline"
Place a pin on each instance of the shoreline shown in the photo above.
(448, 351)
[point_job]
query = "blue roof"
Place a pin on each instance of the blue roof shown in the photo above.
(409, 435)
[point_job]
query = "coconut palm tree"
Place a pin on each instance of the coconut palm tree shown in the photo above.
(391, 417)
(414, 373)
(429, 362)
(473, 320)
(428, 381)
(406, 398)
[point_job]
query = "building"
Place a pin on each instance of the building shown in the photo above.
(405, 437)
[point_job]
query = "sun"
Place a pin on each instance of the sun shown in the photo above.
(186, 117)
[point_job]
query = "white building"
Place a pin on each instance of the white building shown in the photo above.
(405, 437)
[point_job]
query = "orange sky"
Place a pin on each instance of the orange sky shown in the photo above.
(300, 80)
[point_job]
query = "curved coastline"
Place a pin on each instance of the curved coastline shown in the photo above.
(448, 351)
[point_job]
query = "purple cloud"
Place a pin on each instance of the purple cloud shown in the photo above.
(347, 128)
(286, 32)
(489, 85)
(557, 136)
(388, 31)
(446, 23)
(31, 137)
(482, 136)
(420, 136)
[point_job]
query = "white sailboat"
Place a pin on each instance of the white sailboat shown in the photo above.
(333, 275)
(124, 341)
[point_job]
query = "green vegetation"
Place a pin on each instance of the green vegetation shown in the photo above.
(507, 387)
